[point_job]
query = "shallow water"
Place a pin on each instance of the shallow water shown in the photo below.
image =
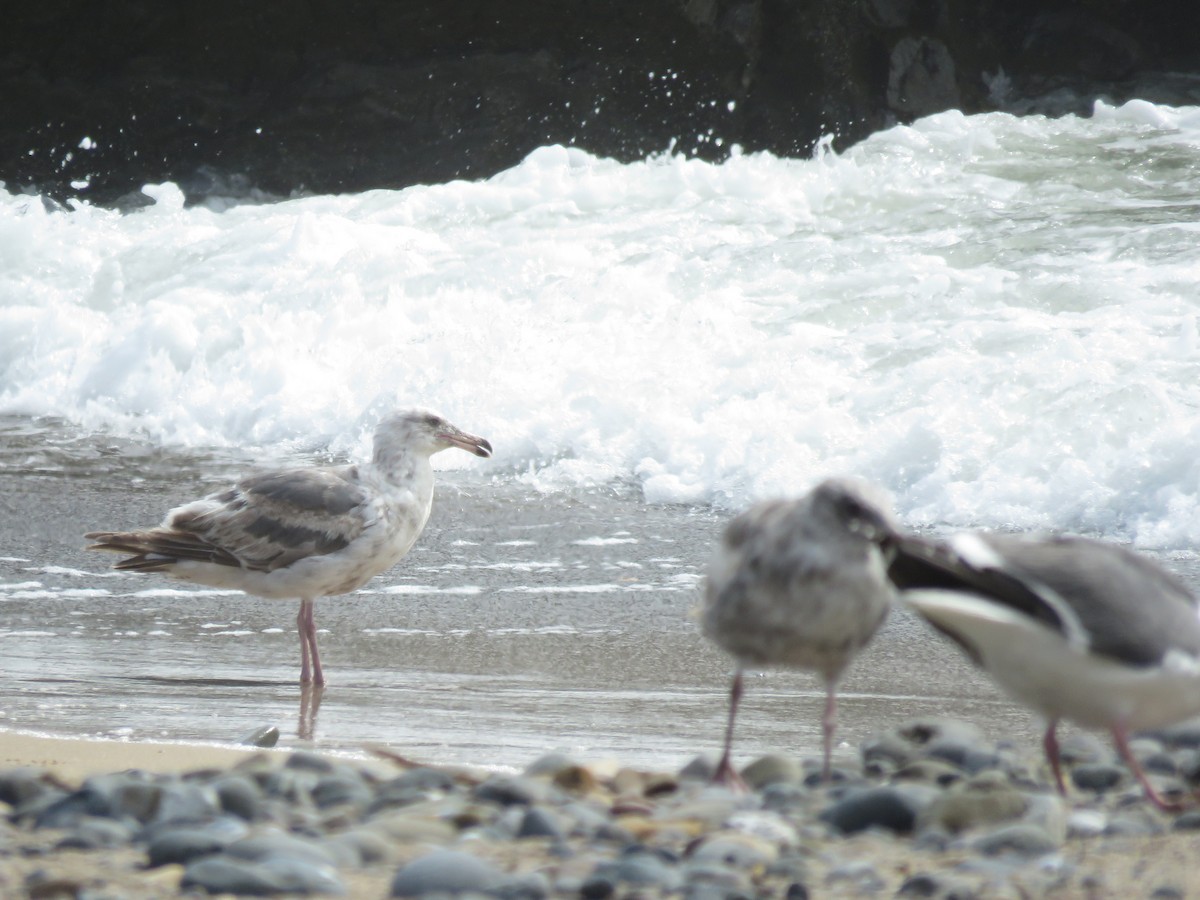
(520, 623)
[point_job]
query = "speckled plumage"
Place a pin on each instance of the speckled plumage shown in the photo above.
(800, 584)
(304, 533)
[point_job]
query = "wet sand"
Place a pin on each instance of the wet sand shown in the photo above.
(520, 624)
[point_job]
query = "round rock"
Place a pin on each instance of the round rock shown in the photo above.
(446, 872)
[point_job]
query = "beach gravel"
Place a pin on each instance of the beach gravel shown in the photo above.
(934, 810)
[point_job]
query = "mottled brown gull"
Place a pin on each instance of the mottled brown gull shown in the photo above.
(304, 533)
(800, 584)
(1072, 627)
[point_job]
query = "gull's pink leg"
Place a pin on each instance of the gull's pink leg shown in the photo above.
(725, 773)
(301, 628)
(1121, 739)
(828, 726)
(310, 630)
(1050, 746)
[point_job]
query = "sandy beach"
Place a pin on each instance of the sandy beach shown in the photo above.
(74, 759)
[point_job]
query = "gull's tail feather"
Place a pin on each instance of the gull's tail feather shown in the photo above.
(157, 549)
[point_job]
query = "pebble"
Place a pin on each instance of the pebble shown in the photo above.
(1097, 777)
(301, 823)
(265, 737)
(446, 872)
(881, 807)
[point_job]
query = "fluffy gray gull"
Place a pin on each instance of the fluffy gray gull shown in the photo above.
(800, 584)
(1072, 627)
(304, 533)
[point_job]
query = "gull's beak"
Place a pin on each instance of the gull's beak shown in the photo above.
(469, 442)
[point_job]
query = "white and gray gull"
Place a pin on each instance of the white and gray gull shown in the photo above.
(800, 584)
(1072, 627)
(304, 533)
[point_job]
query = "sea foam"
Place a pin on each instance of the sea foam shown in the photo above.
(993, 317)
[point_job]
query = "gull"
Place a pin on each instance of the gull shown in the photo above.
(1072, 627)
(800, 584)
(304, 533)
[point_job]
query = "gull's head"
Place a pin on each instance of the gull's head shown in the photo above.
(856, 506)
(424, 432)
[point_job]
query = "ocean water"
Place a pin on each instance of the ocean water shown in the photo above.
(993, 317)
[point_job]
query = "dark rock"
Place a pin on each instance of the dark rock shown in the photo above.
(264, 736)
(226, 105)
(309, 762)
(942, 886)
(446, 872)
(96, 834)
(342, 788)
(538, 822)
(182, 845)
(508, 791)
(1187, 821)
(882, 807)
(945, 739)
(920, 885)
(239, 796)
(637, 867)
(25, 784)
(1181, 734)
(1097, 777)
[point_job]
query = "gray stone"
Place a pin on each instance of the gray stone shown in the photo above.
(24, 784)
(861, 875)
(1181, 734)
(264, 736)
(1083, 747)
(983, 800)
(278, 845)
(182, 845)
(698, 768)
(1097, 777)
(734, 849)
(446, 872)
(309, 762)
(228, 875)
(506, 790)
(342, 788)
(549, 765)
(182, 803)
(920, 738)
(882, 807)
(93, 833)
(539, 822)
(1187, 821)
(1022, 838)
(772, 769)
(239, 796)
(639, 867)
